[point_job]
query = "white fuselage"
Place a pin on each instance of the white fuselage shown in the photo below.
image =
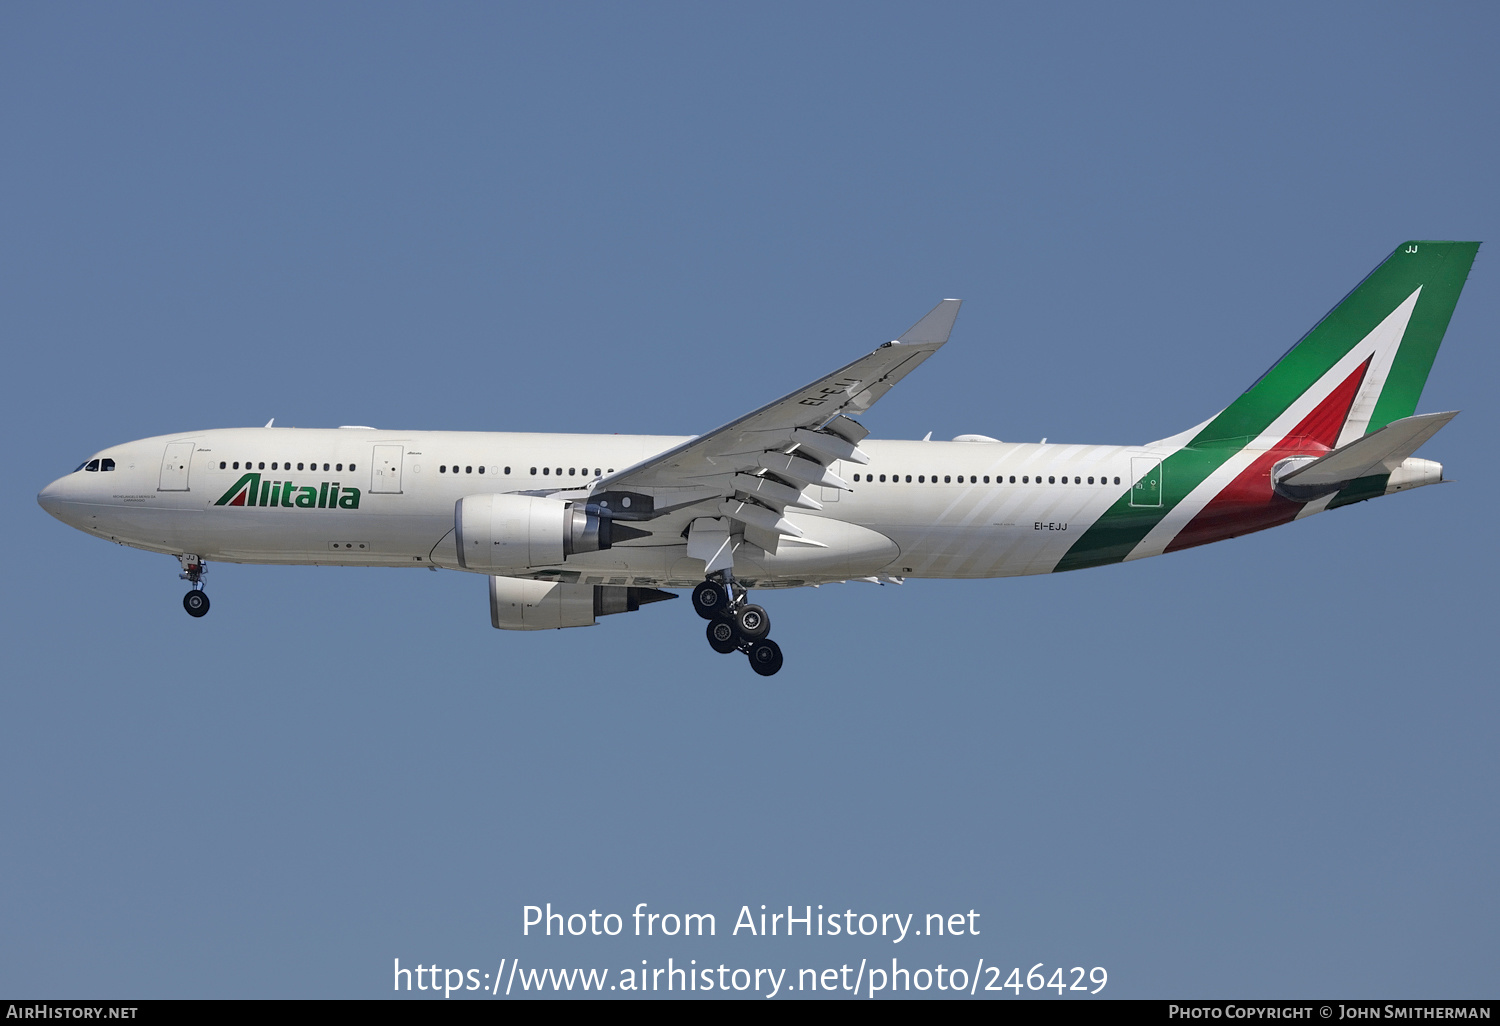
(919, 509)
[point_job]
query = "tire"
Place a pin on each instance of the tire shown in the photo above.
(709, 600)
(765, 657)
(722, 637)
(195, 602)
(751, 621)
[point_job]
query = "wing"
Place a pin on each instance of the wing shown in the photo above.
(752, 468)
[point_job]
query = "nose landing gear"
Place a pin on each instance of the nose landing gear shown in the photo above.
(735, 624)
(195, 601)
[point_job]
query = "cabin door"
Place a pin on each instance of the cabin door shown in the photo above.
(1146, 472)
(385, 470)
(174, 467)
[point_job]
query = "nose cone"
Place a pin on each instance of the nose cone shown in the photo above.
(54, 499)
(50, 498)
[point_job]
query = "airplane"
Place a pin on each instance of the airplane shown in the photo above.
(571, 527)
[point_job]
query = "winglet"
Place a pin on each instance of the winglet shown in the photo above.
(935, 327)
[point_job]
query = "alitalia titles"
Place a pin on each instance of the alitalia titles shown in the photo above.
(250, 490)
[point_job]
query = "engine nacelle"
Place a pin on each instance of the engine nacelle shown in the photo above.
(518, 604)
(496, 533)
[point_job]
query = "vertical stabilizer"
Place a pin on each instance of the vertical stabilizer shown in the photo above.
(1395, 318)
(1360, 368)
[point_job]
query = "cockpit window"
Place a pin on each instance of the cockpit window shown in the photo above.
(91, 465)
(106, 464)
(78, 468)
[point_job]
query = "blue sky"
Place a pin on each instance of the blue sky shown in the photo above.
(1261, 768)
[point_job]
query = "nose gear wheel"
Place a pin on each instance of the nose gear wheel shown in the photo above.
(195, 601)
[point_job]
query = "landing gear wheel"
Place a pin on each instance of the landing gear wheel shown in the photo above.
(722, 637)
(710, 600)
(195, 602)
(765, 657)
(751, 621)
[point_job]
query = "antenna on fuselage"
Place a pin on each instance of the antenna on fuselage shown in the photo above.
(270, 422)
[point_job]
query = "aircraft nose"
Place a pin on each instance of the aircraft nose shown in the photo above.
(51, 498)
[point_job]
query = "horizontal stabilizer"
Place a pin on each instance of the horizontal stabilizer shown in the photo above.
(1378, 453)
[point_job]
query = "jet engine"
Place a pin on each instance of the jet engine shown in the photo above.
(524, 605)
(496, 533)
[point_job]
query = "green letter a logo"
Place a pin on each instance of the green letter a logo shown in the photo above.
(242, 492)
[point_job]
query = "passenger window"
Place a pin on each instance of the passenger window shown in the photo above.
(921, 478)
(546, 470)
(1077, 479)
(986, 479)
(338, 466)
(559, 471)
(572, 471)
(946, 479)
(351, 468)
(1025, 479)
(1091, 480)
(1012, 479)
(596, 472)
(507, 470)
(91, 465)
(221, 465)
(1117, 480)
(533, 472)
(481, 470)
(325, 466)
(262, 464)
(468, 470)
(443, 468)
(236, 464)
(273, 465)
(1051, 480)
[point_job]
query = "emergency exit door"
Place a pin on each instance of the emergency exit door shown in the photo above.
(1146, 473)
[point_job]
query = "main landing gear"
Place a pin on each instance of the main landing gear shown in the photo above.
(195, 601)
(735, 625)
